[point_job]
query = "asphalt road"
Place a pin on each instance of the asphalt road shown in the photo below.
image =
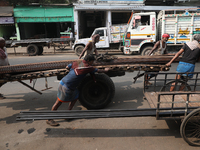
(136, 133)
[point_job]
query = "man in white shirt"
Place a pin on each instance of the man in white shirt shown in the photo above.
(71, 36)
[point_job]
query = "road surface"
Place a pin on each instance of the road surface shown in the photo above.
(138, 133)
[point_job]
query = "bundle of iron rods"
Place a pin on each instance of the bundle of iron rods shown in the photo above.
(77, 114)
(14, 69)
(125, 61)
(104, 113)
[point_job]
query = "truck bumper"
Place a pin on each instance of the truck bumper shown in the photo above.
(73, 46)
(127, 50)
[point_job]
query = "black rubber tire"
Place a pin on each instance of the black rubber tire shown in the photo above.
(190, 128)
(146, 50)
(32, 50)
(79, 49)
(168, 85)
(40, 50)
(96, 95)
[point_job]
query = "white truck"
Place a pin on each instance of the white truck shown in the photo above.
(110, 37)
(145, 29)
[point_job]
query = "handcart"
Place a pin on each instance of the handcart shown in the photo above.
(164, 104)
(176, 104)
(61, 45)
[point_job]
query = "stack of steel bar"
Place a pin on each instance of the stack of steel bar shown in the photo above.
(85, 114)
(79, 114)
(151, 60)
(24, 68)
(55, 68)
(133, 61)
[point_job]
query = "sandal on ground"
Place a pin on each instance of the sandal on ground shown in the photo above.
(52, 123)
(149, 83)
(2, 97)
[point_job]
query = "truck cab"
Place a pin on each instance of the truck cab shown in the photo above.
(141, 33)
(103, 42)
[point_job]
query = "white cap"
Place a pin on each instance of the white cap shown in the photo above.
(2, 39)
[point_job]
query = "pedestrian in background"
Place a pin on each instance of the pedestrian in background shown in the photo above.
(159, 48)
(91, 47)
(191, 54)
(71, 36)
(3, 59)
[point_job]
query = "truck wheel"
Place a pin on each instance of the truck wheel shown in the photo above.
(79, 49)
(32, 50)
(96, 95)
(40, 51)
(146, 50)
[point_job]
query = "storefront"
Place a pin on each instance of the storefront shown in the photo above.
(7, 28)
(34, 22)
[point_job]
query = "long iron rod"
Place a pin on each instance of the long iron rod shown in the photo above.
(29, 87)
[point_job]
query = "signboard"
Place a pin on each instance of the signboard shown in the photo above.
(118, 28)
(6, 20)
(184, 19)
(112, 1)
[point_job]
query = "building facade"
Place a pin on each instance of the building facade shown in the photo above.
(48, 21)
(7, 28)
(90, 14)
(39, 21)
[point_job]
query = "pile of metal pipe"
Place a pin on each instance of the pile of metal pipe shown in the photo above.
(32, 67)
(104, 113)
(125, 61)
(137, 60)
(83, 114)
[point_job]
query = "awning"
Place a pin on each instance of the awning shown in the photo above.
(43, 14)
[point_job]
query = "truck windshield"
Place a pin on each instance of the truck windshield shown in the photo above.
(141, 21)
(100, 32)
(145, 20)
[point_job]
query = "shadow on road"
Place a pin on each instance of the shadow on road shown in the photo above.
(32, 101)
(70, 132)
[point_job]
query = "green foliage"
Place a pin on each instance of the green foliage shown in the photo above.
(27, 2)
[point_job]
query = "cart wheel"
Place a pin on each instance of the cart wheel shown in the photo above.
(32, 49)
(190, 128)
(167, 86)
(96, 95)
(79, 49)
(40, 51)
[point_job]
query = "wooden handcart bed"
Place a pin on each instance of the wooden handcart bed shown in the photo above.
(167, 100)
